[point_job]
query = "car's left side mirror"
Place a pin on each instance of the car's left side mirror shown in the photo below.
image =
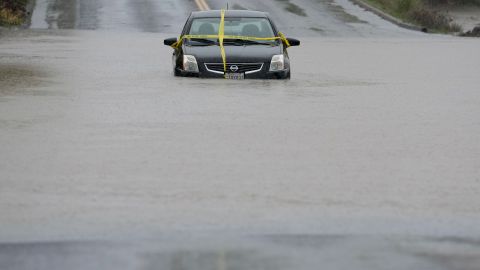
(170, 41)
(293, 41)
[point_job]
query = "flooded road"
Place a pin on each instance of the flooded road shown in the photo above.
(368, 157)
(118, 15)
(100, 142)
(336, 18)
(314, 18)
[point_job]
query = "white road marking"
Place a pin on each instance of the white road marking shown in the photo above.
(202, 5)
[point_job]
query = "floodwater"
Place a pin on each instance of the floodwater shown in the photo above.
(369, 156)
(100, 142)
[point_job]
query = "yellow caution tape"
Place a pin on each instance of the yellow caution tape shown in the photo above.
(284, 39)
(221, 36)
(221, 33)
(179, 43)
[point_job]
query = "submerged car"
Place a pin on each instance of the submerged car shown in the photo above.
(252, 47)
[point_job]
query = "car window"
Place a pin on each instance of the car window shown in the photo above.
(252, 27)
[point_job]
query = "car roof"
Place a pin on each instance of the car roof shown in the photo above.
(229, 13)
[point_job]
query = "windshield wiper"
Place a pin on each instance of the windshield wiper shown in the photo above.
(205, 41)
(239, 41)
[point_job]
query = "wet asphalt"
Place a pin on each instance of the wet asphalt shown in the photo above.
(367, 159)
(119, 15)
(301, 17)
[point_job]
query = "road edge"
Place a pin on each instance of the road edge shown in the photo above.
(388, 17)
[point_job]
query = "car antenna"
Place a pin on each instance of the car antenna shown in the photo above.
(227, 5)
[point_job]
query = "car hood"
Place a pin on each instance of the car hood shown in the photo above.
(234, 54)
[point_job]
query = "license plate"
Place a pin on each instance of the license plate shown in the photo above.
(235, 76)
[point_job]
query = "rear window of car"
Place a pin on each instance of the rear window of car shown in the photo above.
(251, 27)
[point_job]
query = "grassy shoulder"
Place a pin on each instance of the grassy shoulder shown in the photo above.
(424, 13)
(13, 12)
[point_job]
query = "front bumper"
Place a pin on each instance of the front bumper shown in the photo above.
(262, 74)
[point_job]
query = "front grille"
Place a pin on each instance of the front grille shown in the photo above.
(246, 68)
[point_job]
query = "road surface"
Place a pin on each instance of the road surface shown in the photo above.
(295, 17)
(368, 157)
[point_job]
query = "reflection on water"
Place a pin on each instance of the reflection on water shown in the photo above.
(266, 252)
(218, 259)
(303, 85)
(16, 79)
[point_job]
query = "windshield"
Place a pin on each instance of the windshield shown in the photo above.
(249, 27)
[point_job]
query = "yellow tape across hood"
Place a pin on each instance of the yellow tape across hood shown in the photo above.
(221, 36)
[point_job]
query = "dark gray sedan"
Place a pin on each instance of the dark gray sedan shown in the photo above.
(252, 46)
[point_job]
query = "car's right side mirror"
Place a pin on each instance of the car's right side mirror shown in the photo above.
(293, 41)
(170, 41)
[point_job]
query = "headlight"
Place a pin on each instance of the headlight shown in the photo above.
(190, 63)
(278, 63)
